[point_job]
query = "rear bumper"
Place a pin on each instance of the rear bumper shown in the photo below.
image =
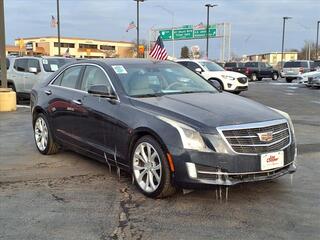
(226, 169)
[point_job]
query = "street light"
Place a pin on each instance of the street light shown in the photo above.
(283, 32)
(138, 1)
(317, 42)
(172, 16)
(58, 24)
(208, 6)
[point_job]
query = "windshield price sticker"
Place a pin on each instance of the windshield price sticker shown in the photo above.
(45, 61)
(119, 69)
(54, 67)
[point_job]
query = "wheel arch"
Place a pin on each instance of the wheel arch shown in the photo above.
(217, 79)
(139, 133)
(37, 110)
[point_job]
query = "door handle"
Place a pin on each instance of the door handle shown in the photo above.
(78, 102)
(48, 92)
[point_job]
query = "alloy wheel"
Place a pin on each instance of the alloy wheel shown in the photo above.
(147, 167)
(41, 133)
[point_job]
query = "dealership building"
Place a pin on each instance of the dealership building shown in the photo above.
(75, 47)
(273, 58)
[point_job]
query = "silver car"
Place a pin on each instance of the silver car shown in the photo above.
(24, 72)
(293, 69)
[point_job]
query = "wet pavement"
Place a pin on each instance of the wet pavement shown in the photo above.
(68, 196)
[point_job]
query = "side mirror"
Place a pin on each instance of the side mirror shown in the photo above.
(102, 91)
(198, 70)
(33, 70)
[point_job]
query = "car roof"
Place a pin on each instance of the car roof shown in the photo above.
(123, 61)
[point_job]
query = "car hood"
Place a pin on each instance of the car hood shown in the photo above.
(228, 73)
(207, 110)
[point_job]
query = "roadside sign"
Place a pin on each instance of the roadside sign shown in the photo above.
(187, 32)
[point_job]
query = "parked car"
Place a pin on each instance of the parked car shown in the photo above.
(222, 79)
(293, 69)
(24, 72)
(259, 70)
(234, 66)
(304, 78)
(161, 122)
(314, 81)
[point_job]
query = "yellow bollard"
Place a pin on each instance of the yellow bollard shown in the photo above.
(8, 100)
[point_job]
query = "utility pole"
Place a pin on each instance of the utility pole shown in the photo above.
(58, 23)
(4, 83)
(317, 42)
(138, 25)
(208, 6)
(283, 32)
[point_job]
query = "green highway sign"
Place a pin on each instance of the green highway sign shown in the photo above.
(166, 34)
(187, 32)
(202, 33)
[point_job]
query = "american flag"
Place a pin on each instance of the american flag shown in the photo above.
(158, 51)
(199, 26)
(54, 22)
(131, 26)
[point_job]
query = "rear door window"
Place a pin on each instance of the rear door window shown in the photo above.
(231, 64)
(21, 65)
(193, 66)
(70, 77)
(34, 63)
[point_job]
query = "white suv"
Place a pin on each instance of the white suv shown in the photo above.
(224, 80)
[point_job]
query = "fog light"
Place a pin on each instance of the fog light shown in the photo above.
(229, 85)
(192, 171)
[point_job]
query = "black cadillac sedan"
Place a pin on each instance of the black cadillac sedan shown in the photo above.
(161, 122)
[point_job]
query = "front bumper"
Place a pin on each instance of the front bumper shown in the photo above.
(226, 169)
(240, 84)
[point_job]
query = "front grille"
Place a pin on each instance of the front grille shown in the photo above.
(242, 80)
(247, 141)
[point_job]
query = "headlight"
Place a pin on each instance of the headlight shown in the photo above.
(286, 116)
(191, 139)
(228, 77)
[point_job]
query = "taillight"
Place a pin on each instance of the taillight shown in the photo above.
(247, 70)
(301, 70)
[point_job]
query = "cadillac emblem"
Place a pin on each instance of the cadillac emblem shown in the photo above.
(265, 137)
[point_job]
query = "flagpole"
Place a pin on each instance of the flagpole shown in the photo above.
(58, 24)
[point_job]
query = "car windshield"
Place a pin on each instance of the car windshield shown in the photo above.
(53, 64)
(296, 64)
(157, 79)
(211, 66)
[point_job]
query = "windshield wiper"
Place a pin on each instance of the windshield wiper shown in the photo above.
(196, 92)
(148, 95)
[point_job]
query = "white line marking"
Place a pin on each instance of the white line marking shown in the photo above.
(285, 84)
(290, 94)
(292, 87)
(23, 106)
(318, 102)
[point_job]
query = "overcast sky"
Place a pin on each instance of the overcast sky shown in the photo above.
(256, 24)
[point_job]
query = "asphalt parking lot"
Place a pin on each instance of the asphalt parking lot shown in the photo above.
(67, 196)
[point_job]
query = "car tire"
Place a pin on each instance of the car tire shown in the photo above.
(253, 77)
(289, 80)
(237, 92)
(149, 161)
(43, 136)
(259, 78)
(216, 83)
(275, 76)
